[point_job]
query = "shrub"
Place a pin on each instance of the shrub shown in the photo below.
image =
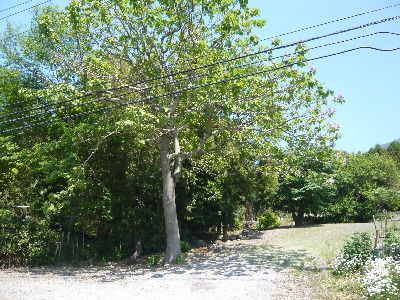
(392, 244)
(185, 246)
(25, 241)
(180, 260)
(267, 220)
(355, 253)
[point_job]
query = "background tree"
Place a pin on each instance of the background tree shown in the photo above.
(306, 182)
(394, 151)
(366, 185)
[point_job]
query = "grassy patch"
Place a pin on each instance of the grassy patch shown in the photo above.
(330, 287)
(315, 248)
(322, 241)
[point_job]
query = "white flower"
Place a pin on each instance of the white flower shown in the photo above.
(381, 278)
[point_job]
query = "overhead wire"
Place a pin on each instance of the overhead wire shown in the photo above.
(26, 9)
(14, 6)
(124, 104)
(293, 31)
(331, 22)
(322, 24)
(20, 11)
(298, 30)
(74, 105)
(191, 70)
(70, 117)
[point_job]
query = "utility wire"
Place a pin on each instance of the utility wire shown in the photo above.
(275, 36)
(323, 24)
(53, 105)
(330, 22)
(283, 34)
(191, 70)
(124, 104)
(14, 6)
(69, 117)
(26, 9)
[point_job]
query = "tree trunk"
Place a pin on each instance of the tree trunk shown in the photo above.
(225, 226)
(298, 219)
(173, 250)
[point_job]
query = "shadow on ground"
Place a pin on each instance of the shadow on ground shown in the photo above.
(236, 259)
(245, 261)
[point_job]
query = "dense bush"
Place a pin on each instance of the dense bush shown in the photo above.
(185, 246)
(268, 219)
(355, 253)
(25, 240)
(392, 244)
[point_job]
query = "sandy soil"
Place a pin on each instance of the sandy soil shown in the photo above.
(242, 269)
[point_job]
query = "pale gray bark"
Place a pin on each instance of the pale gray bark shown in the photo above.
(169, 176)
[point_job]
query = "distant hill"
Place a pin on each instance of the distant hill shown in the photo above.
(387, 144)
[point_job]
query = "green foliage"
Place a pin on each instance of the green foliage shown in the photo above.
(392, 244)
(355, 254)
(306, 184)
(394, 151)
(268, 219)
(154, 260)
(24, 240)
(366, 184)
(180, 260)
(185, 246)
(96, 177)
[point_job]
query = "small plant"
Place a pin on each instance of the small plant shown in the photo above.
(355, 254)
(185, 246)
(267, 220)
(180, 259)
(154, 260)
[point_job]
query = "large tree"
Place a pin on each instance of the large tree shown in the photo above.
(394, 151)
(306, 184)
(174, 65)
(366, 185)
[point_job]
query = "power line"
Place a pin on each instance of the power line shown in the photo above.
(53, 105)
(323, 24)
(18, 12)
(280, 47)
(14, 6)
(271, 37)
(124, 104)
(17, 34)
(69, 117)
(191, 70)
(332, 21)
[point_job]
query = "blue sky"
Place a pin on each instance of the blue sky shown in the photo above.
(368, 79)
